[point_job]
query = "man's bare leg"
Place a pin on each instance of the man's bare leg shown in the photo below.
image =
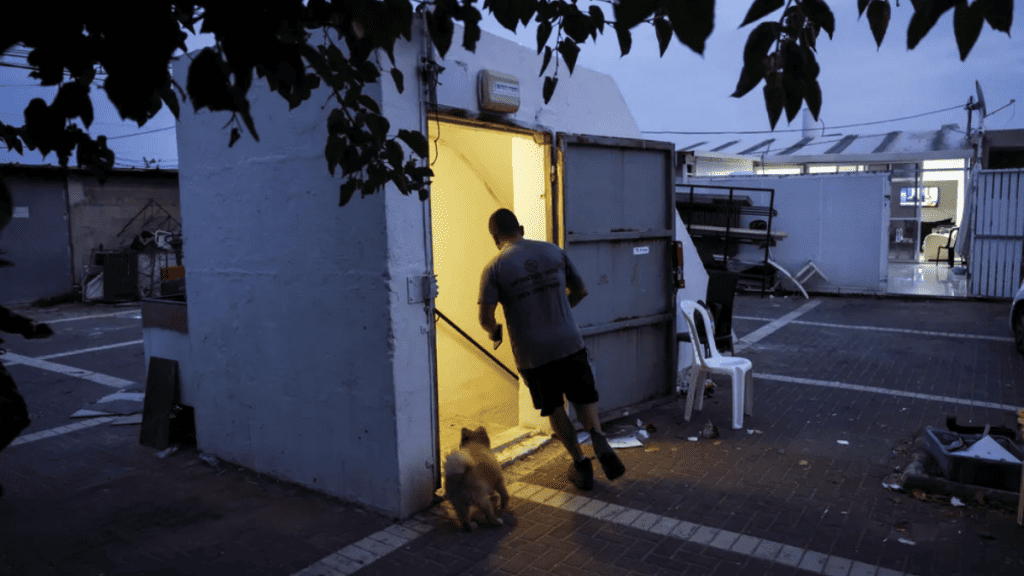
(613, 467)
(563, 427)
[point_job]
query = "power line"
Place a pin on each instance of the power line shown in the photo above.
(801, 129)
(140, 133)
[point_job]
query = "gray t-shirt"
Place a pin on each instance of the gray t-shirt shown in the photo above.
(528, 278)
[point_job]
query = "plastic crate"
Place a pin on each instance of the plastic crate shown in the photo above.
(972, 470)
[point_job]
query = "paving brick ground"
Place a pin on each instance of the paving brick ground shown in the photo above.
(781, 496)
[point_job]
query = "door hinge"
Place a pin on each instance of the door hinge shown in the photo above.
(422, 288)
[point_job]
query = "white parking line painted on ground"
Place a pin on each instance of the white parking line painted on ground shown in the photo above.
(134, 311)
(876, 390)
(774, 325)
(87, 350)
(62, 430)
(882, 329)
(725, 540)
(368, 550)
(67, 370)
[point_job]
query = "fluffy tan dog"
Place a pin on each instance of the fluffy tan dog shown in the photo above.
(471, 476)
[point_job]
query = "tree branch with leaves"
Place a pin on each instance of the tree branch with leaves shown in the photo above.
(298, 47)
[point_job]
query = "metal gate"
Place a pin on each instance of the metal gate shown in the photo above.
(996, 230)
(617, 197)
(36, 241)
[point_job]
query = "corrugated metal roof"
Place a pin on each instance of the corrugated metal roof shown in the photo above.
(949, 141)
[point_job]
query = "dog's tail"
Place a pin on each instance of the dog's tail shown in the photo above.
(457, 463)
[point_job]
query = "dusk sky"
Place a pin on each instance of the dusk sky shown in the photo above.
(685, 92)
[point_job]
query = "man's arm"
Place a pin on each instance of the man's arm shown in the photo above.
(575, 294)
(487, 321)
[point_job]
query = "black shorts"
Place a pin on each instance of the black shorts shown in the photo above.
(570, 377)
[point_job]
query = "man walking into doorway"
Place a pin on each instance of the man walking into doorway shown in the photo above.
(537, 285)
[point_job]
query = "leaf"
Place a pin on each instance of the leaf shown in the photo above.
(597, 17)
(441, 29)
(794, 95)
(505, 11)
(750, 77)
(760, 41)
(208, 82)
(369, 103)
(926, 14)
(576, 25)
(170, 99)
(347, 189)
(332, 151)
(774, 97)
(416, 141)
(760, 9)
(1000, 15)
(861, 5)
(820, 14)
(812, 95)
(396, 75)
(235, 135)
(73, 101)
(470, 31)
(526, 8)
(633, 12)
(543, 33)
(378, 126)
(394, 153)
(878, 17)
(967, 22)
(625, 39)
(247, 118)
(664, 32)
(693, 21)
(549, 88)
(569, 51)
(547, 59)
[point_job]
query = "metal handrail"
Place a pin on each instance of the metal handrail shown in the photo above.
(474, 342)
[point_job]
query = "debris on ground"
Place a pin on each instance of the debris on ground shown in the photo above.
(956, 501)
(843, 442)
(166, 452)
(907, 542)
(710, 430)
(209, 459)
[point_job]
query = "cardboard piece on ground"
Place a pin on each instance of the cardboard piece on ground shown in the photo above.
(89, 414)
(991, 450)
(161, 395)
(624, 442)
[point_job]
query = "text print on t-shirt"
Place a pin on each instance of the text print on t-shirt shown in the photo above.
(535, 283)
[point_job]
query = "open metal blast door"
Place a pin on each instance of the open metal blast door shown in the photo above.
(619, 226)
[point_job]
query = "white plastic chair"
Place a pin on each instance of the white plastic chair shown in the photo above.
(740, 370)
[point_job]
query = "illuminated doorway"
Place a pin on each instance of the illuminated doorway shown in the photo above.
(477, 170)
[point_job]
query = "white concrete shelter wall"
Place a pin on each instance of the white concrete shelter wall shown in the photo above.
(288, 303)
(307, 359)
(839, 221)
(585, 102)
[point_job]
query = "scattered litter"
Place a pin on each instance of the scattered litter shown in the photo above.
(639, 424)
(652, 449)
(901, 526)
(804, 462)
(209, 459)
(717, 442)
(642, 434)
(990, 450)
(782, 450)
(624, 442)
(166, 452)
(955, 501)
(919, 494)
(89, 414)
(750, 431)
(710, 431)
(692, 438)
(895, 487)
(843, 442)
(907, 542)
(675, 449)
